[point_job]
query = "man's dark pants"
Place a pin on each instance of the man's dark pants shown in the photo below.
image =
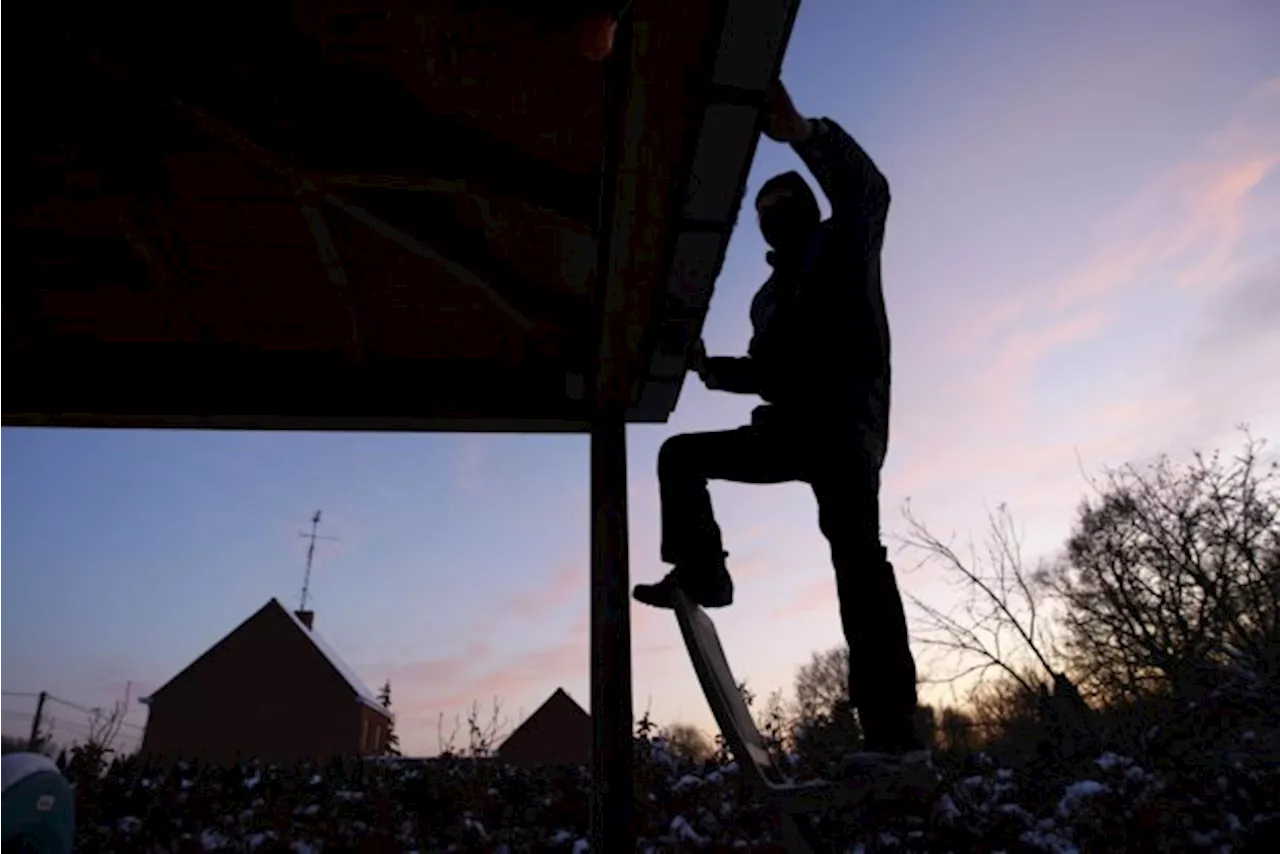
(843, 467)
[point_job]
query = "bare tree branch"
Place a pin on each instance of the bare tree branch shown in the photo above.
(1170, 577)
(999, 603)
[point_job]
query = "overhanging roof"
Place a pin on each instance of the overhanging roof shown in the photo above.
(369, 214)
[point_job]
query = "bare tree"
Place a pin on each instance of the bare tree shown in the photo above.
(446, 746)
(822, 685)
(1172, 579)
(483, 737)
(926, 723)
(688, 741)
(957, 731)
(88, 760)
(105, 724)
(1001, 620)
(776, 723)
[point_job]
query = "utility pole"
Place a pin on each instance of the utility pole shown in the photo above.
(311, 552)
(33, 742)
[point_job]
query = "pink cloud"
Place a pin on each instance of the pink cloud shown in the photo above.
(644, 621)
(569, 583)
(949, 460)
(814, 596)
(415, 675)
(451, 684)
(470, 463)
(1224, 196)
(1191, 216)
(549, 665)
(751, 565)
(1159, 417)
(1184, 228)
(998, 390)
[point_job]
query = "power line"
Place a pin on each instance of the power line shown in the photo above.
(97, 712)
(75, 706)
(101, 721)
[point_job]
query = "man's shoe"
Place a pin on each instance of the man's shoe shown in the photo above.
(711, 588)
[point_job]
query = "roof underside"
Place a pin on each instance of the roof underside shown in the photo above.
(368, 214)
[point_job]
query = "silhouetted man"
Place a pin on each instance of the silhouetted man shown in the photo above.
(819, 357)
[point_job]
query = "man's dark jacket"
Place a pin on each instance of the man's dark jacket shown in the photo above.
(820, 349)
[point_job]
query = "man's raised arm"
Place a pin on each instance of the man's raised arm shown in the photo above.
(851, 181)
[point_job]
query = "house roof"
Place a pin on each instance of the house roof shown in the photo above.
(369, 215)
(558, 708)
(361, 691)
(344, 670)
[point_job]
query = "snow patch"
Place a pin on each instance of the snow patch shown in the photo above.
(688, 781)
(475, 826)
(1050, 842)
(683, 830)
(1078, 792)
(212, 840)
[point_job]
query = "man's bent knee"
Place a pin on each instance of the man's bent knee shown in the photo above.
(677, 455)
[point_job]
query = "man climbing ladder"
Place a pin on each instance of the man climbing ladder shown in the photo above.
(819, 357)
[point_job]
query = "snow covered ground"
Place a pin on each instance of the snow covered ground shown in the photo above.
(1116, 804)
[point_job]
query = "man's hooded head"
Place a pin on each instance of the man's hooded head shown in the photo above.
(788, 213)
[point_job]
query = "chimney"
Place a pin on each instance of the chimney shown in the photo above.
(307, 617)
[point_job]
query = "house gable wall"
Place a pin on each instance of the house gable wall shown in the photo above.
(264, 691)
(558, 733)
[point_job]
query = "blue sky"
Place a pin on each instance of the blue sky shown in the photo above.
(1080, 265)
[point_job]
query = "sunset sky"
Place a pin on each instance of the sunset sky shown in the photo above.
(1082, 268)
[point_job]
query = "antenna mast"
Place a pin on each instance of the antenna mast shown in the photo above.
(311, 553)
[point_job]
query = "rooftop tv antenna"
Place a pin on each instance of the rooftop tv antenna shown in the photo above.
(311, 552)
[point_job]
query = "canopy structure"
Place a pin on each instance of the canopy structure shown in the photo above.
(382, 215)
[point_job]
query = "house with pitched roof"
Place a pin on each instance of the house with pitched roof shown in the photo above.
(272, 689)
(558, 733)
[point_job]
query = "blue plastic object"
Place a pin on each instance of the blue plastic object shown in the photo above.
(39, 806)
